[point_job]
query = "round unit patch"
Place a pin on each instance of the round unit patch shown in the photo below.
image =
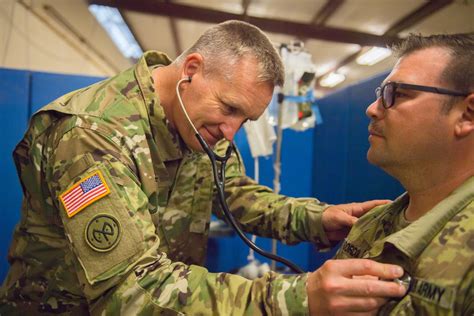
(103, 232)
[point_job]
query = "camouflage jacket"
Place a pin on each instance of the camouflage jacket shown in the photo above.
(436, 251)
(116, 212)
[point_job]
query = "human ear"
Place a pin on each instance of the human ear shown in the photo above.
(465, 124)
(192, 65)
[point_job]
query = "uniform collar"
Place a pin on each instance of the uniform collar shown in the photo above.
(167, 139)
(413, 239)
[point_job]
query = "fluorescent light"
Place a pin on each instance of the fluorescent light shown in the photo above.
(373, 56)
(332, 79)
(113, 23)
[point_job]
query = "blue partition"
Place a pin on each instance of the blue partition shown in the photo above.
(21, 94)
(365, 181)
(14, 100)
(330, 149)
(341, 172)
(297, 181)
(46, 87)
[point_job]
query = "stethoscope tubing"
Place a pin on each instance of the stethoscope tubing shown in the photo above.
(219, 181)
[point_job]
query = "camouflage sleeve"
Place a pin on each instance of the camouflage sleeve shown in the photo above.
(115, 252)
(262, 212)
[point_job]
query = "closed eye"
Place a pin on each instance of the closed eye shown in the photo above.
(227, 109)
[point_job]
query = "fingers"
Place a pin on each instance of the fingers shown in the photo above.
(367, 267)
(337, 223)
(352, 285)
(343, 218)
(356, 209)
(339, 216)
(377, 288)
(372, 284)
(361, 208)
(365, 277)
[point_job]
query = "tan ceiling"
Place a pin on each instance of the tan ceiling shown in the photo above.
(332, 30)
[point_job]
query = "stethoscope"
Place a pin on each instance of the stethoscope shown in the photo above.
(219, 181)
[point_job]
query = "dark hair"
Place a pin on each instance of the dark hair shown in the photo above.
(459, 72)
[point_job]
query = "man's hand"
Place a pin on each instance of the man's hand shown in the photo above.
(352, 285)
(338, 219)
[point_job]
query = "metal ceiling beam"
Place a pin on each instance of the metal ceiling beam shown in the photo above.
(407, 21)
(323, 14)
(419, 14)
(326, 11)
(174, 34)
(175, 10)
(245, 7)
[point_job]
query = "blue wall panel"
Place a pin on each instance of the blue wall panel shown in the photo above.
(330, 148)
(329, 159)
(342, 173)
(296, 163)
(21, 94)
(365, 181)
(14, 94)
(46, 87)
(296, 181)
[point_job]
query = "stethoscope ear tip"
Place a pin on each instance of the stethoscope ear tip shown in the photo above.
(189, 78)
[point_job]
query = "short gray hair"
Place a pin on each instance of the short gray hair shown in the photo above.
(224, 45)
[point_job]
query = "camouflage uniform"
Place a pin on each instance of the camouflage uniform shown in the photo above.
(436, 250)
(137, 248)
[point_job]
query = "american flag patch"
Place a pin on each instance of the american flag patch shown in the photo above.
(83, 193)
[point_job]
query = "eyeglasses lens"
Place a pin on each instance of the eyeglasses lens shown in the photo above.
(387, 95)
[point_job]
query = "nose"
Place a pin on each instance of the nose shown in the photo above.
(230, 127)
(375, 109)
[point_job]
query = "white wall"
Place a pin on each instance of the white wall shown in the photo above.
(34, 38)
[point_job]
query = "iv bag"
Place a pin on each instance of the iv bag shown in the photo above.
(260, 136)
(296, 64)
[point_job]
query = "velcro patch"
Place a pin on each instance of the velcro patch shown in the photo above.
(83, 193)
(103, 232)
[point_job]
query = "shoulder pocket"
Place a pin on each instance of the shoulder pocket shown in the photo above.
(103, 234)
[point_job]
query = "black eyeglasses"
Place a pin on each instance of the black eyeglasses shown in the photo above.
(387, 92)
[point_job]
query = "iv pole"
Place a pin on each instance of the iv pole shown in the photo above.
(277, 164)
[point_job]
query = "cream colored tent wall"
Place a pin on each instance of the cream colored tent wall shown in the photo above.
(55, 36)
